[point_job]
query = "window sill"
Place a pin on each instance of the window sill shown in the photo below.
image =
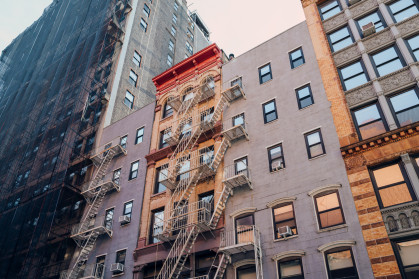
(298, 66)
(266, 82)
(333, 228)
(272, 121)
(286, 238)
(317, 157)
(166, 118)
(124, 225)
(277, 170)
(117, 275)
(158, 194)
(304, 108)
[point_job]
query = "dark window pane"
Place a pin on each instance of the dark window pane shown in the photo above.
(331, 218)
(406, 107)
(306, 102)
(290, 269)
(374, 18)
(372, 129)
(367, 115)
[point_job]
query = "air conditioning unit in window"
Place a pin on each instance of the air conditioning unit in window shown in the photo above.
(352, 2)
(117, 267)
(123, 220)
(285, 231)
(368, 29)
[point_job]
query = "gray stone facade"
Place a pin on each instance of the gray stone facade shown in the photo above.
(301, 178)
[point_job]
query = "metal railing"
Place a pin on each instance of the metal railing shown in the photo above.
(102, 150)
(91, 271)
(233, 132)
(99, 223)
(243, 235)
(106, 182)
(236, 170)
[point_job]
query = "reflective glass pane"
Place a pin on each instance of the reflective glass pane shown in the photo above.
(276, 152)
(239, 120)
(269, 107)
(414, 42)
(374, 18)
(303, 92)
(271, 116)
(404, 100)
(306, 102)
(266, 78)
(327, 202)
(296, 54)
(331, 218)
(367, 114)
(342, 44)
(355, 81)
(395, 195)
(339, 35)
(340, 260)
(329, 6)
(290, 268)
(397, 6)
(316, 150)
(298, 62)
(351, 70)
(264, 70)
(388, 175)
(408, 116)
(283, 213)
(389, 67)
(384, 56)
(313, 138)
(406, 13)
(372, 129)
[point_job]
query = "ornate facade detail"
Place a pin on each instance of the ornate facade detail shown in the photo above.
(401, 218)
(408, 26)
(396, 80)
(355, 162)
(377, 40)
(347, 54)
(360, 94)
(334, 22)
(363, 7)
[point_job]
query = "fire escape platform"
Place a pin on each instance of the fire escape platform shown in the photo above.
(98, 157)
(235, 132)
(238, 180)
(104, 186)
(85, 233)
(234, 93)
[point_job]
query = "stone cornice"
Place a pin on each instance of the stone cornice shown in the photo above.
(280, 201)
(336, 244)
(288, 254)
(322, 189)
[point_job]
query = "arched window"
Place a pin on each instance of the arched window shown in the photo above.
(290, 268)
(167, 110)
(404, 221)
(340, 263)
(415, 218)
(392, 224)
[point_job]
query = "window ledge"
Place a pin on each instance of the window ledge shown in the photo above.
(332, 228)
(298, 66)
(286, 238)
(283, 169)
(117, 275)
(317, 157)
(158, 194)
(306, 107)
(166, 118)
(272, 121)
(267, 81)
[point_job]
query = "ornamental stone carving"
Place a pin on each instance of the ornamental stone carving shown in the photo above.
(408, 26)
(360, 94)
(378, 39)
(363, 7)
(345, 55)
(396, 80)
(334, 22)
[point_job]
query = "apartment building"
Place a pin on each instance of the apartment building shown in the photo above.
(294, 205)
(368, 55)
(184, 196)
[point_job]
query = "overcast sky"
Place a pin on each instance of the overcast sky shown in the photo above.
(235, 25)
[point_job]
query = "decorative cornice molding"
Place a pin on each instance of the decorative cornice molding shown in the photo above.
(243, 263)
(336, 244)
(280, 201)
(322, 189)
(288, 254)
(243, 211)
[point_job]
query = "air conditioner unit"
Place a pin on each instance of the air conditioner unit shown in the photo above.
(123, 220)
(368, 29)
(285, 231)
(118, 267)
(352, 2)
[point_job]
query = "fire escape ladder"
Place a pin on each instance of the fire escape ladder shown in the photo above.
(258, 254)
(221, 204)
(179, 253)
(222, 266)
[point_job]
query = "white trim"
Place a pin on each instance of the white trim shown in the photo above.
(303, 85)
(128, 201)
(272, 145)
(336, 244)
(264, 102)
(264, 64)
(243, 263)
(294, 49)
(312, 130)
(126, 249)
(287, 254)
(322, 189)
(244, 156)
(101, 255)
(243, 211)
(106, 209)
(279, 201)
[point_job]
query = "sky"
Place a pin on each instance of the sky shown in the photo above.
(235, 25)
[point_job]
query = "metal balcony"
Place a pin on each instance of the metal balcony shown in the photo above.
(241, 240)
(233, 133)
(112, 148)
(106, 184)
(97, 225)
(236, 176)
(233, 93)
(174, 102)
(207, 89)
(90, 271)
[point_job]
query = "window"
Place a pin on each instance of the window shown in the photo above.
(413, 45)
(240, 166)
(136, 59)
(146, 10)
(176, 6)
(161, 175)
(128, 209)
(100, 266)
(238, 120)
(206, 115)
(329, 9)
(203, 264)
(189, 48)
(207, 198)
(304, 96)
(123, 142)
(284, 217)
(353, 75)
(340, 39)
(244, 229)
(143, 25)
(340, 264)
(314, 143)
(206, 155)
(140, 136)
(276, 158)
(296, 58)
(173, 31)
(171, 46)
(134, 170)
(189, 34)
(184, 165)
(167, 110)
(265, 73)
(391, 185)
(246, 272)
(169, 60)
(133, 78)
(290, 269)
(387, 61)
(329, 210)
(120, 258)
(403, 9)
(375, 18)
(369, 121)
(116, 176)
(406, 251)
(156, 227)
(109, 218)
(269, 111)
(237, 81)
(163, 137)
(129, 99)
(405, 107)
(174, 18)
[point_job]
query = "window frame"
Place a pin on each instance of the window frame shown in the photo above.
(415, 3)
(133, 98)
(364, 71)
(162, 144)
(135, 60)
(324, 4)
(409, 47)
(174, 18)
(339, 249)
(157, 182)
(137, 137)
(292, 61)
(334, 31)
(396, 251)
(237, 116)
(289, 259)
(120, 262)
(125, 137)
(405, 177)
(143, 27)
(308, 146)
(169, 60)
(261, 76)
(171, 46)
(173, 30)
(380, 16)
(354, 120)
(265, 120)
(131, 171)
(152, 223)
(270, 157)
(241, 159)
(130, 78)
(308, 85)
(399, 56)
(283, 221)
(125, 207)
(147, 10)
(189, 47)
(393, 112)
(167, 112)
(325, 193)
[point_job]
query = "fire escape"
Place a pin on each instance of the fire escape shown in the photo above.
(184, 221)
